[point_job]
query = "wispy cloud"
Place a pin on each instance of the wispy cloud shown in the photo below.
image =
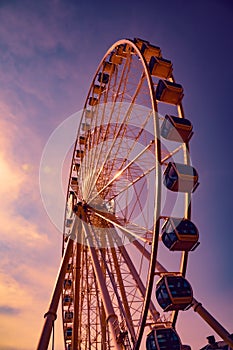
(8, 310)
(37, 51)
(26, 237)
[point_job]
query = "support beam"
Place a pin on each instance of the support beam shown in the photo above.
(136, 277)
(77, 273)
(51, 315)
(207, 317)
(212, 322)
(111, 317)
(129, 320)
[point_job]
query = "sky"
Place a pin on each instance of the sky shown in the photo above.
(49, 52)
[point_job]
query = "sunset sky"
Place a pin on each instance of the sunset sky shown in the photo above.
(49, 51)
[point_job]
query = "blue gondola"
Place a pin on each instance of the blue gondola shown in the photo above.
(169, 92)
(67, 300)
(174, 293)
(69, 222)
(163, 339)
(180, 234)
(68, 333)
(180, 177)
(67, 283)
(68, 316)
(176, 129)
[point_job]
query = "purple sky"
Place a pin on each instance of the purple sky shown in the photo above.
(49, 51)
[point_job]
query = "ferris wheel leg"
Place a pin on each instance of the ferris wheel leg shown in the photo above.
(51, 315)
(111, 317)
(212, 322)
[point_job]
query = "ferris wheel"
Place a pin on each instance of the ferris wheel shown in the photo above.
(127, 228)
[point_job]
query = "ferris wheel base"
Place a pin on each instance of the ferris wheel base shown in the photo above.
(212, 322)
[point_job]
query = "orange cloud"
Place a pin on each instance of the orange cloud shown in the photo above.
(28, 249)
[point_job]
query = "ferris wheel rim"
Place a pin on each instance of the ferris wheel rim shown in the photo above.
(157, 210)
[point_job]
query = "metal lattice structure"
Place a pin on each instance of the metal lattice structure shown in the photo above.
(117, 204)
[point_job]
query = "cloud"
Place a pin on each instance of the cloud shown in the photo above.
(24, 22)
(8, 310)
(38, 60)
(28, 262)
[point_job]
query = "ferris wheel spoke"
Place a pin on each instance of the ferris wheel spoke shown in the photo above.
(94, 137)
(136, 276)
(138, 203)
(123, 81)
(123, 123)
(101, 122)
(136, 140)
(132, 230)
(101, 148)
(122, 171)
(129, 149)
(171, 154)
(123, 291)
(147, 254)
(131, 183)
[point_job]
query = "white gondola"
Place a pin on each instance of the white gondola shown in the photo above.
(180, 177)
(176, 129)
